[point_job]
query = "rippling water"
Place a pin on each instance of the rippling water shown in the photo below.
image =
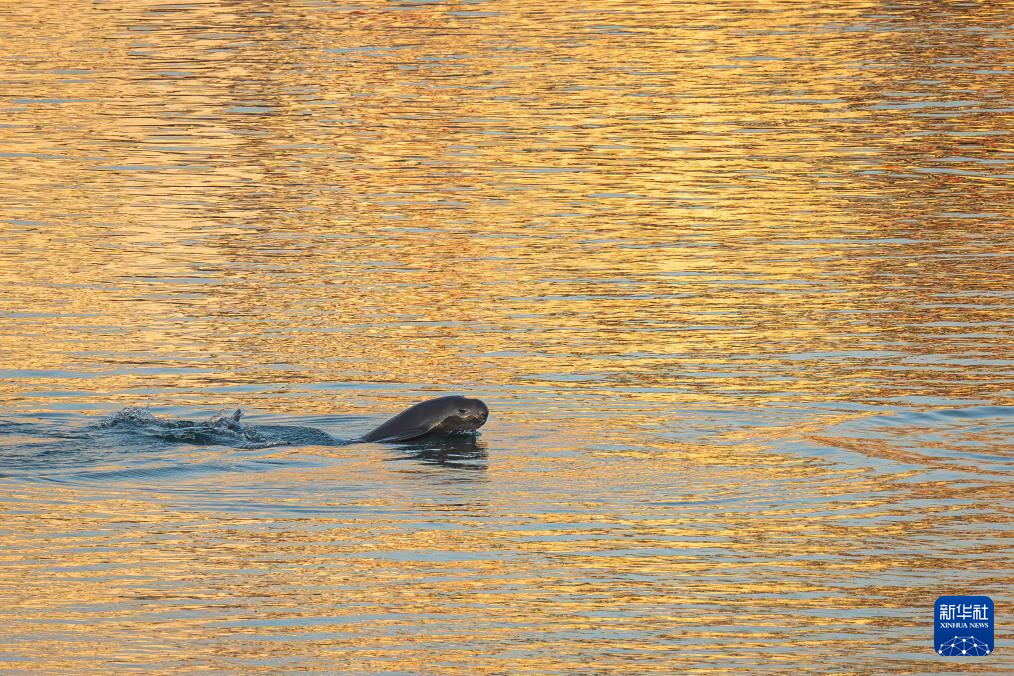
(734, 278)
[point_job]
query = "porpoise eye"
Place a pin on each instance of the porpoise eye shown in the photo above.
(462, 411)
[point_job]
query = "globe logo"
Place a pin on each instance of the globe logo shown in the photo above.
(963, 645)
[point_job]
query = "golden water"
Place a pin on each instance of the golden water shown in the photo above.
(734, 278)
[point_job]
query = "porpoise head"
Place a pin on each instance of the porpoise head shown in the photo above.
(460, 414)
(441, 415)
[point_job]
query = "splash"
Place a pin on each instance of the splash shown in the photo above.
(227, 430)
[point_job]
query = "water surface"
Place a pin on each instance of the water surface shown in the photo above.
(735, 280)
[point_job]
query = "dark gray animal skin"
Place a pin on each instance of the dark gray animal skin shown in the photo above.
(435, 416)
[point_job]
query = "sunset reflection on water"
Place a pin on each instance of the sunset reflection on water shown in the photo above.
(734, 278)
